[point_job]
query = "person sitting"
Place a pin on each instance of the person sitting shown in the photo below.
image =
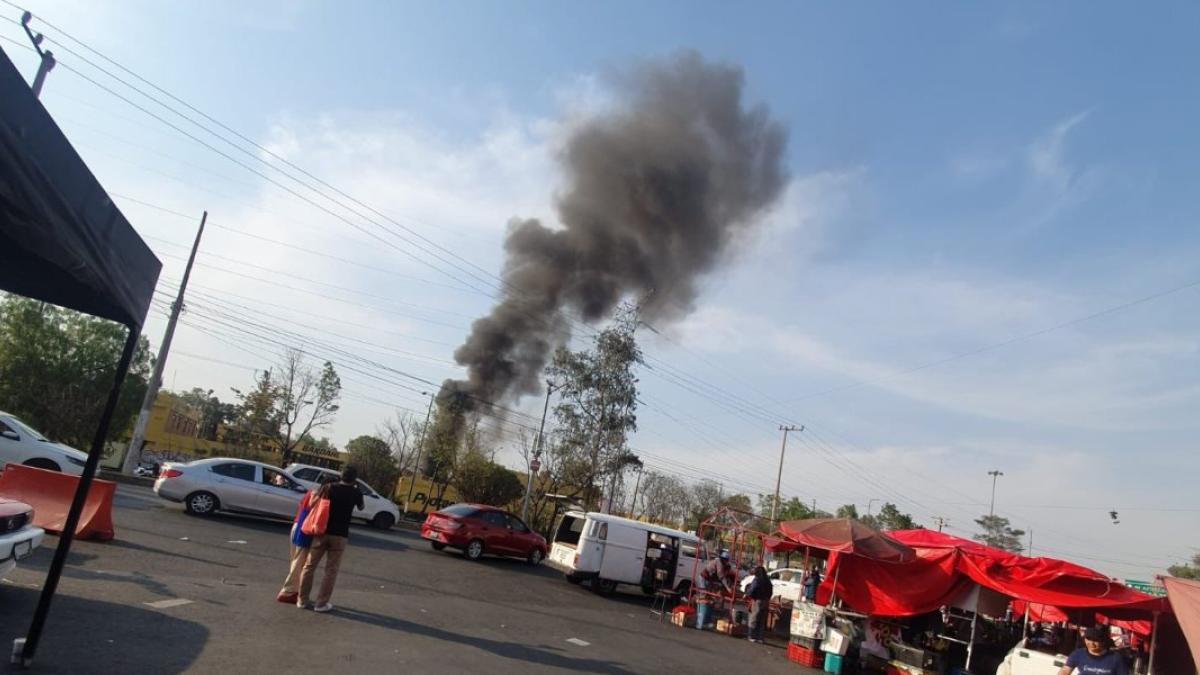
(1095, 658)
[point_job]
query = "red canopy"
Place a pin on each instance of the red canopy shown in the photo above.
(1185, 600)
(846, 535)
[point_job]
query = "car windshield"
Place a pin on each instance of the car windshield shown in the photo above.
(28, 430)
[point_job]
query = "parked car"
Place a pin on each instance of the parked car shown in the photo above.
(18, 535)
(477, 530)
(21, 444)
(377, 510)
(609, 550)
(786, 583)
(226, 484)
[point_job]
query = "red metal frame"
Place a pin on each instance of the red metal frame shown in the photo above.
(736, 523)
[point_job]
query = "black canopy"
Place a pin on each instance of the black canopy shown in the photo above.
(62, 240)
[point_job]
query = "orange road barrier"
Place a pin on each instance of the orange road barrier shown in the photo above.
(50, 494)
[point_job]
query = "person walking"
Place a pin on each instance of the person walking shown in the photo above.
(759, 591)
(344, 497)
(300, 544)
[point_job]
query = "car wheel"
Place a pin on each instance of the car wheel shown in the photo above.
(648, 590)
(474, 549)
(572, 579)
(535, 557)
(383, 521)
(42, 463)
(201, 503)
(604, 586)
(437, 545)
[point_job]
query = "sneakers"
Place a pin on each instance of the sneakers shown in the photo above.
(323, 607)
(302, 604)
(287, 598)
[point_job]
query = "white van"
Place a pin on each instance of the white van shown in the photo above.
(609, 550)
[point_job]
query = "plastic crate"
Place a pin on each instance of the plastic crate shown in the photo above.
(805, 657)
(833, 663)
(811, 644)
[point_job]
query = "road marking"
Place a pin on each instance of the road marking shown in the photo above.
(579, 643)
(164, 604)
(236, 541)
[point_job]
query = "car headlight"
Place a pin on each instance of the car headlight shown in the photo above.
(76, 462)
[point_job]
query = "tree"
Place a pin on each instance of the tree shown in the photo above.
(256, 426)
(706, 497)
(997, 533)
(308, 400)
(792, 509)
(847, 511)
(598, 397)
(376, 464)
(57, 366)
(401, 433)
(1191, 571)
(665, 499)
(482, 481)
(891, 518)
(319, 446)
(213, 413)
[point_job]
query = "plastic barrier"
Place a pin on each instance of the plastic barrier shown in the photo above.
(50, 494)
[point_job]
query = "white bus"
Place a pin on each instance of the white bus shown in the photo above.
(609, 550)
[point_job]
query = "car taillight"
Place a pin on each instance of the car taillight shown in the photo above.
(575, 562)
(170, 473)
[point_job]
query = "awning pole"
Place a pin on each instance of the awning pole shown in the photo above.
(836, 571)
(1153, 644)
(971, 644)
(1025, 628)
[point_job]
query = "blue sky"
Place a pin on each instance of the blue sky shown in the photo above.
(962, 175)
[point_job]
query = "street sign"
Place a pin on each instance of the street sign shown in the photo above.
(535, 464)
(1146, 587)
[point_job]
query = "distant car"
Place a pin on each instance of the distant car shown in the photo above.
(477, 530)
(145, 472)
(377, 510)
(786, 583)
(18, 536)
(21, 444)
(227, 484)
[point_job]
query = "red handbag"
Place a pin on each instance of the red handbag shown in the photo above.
(317, 519)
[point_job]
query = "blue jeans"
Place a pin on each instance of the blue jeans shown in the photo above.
(702, 611)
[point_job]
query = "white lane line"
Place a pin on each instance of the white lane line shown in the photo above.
(164, 604)
(579, 643)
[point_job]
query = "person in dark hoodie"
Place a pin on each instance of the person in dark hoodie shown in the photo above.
(759, 591)
(344, 496)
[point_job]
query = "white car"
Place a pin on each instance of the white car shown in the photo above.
(377, 510)
(21, 444)
(18, 536)
(786, 583)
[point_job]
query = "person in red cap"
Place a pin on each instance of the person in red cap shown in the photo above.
(1095, 658)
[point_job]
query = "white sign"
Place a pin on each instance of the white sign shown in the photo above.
(808, 620)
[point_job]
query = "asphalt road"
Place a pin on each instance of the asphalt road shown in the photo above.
(179, 594)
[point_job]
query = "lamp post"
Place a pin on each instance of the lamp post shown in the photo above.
(995, 474)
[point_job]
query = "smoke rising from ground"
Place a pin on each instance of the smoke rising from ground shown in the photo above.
(656, 189)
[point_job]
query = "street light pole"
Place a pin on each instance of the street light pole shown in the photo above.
(420, 447)
(537, 454)
(994, 473)
(779, 475)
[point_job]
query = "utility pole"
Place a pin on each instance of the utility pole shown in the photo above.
(1030, 553)
(536, 462)
(420, 447)
(779, 476)
(134, 454)
(994, 473)
(941, 522)
(636, 485)
(47, 62)
(870, 503)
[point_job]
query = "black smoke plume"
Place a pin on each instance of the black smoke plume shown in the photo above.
(656, 189)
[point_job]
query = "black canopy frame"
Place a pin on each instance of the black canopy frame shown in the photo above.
(63, 241)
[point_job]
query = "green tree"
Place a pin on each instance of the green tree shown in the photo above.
(706, 498)
(891, 518)
(214, 414)
(57, 366)
(256, 426)
(598, 397)
(1191, 571)
(997, 533)
(482, 481)
(791, 509)
(376, 464)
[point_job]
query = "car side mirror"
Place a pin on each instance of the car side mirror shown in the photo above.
(10, 435)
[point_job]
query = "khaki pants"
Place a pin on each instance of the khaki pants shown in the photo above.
(291, 585)
(330, 547)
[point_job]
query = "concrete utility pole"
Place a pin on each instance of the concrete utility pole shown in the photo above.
(1030, 553)
(134, 454)
(536, 462)
(47, 62)
(779, 476)
(636, 485)
(420, 447)
(870, 503)
(941, 522)
(994, 473)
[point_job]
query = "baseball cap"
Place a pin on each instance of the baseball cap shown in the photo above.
(1093, 633)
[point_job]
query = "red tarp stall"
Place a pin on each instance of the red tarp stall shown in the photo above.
(1184, 595)
(845, 535)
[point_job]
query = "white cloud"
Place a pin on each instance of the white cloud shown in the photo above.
(1046, 154)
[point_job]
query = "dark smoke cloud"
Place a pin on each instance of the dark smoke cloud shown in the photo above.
(656, 190)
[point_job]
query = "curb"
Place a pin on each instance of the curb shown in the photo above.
(118, 477)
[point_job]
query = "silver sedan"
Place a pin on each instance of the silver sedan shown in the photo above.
(227, 484)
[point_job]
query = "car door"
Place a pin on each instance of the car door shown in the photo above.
(278, 494)
(494, 532)
(234, 484)
(12, 445)
(370, 502)
(520, 540)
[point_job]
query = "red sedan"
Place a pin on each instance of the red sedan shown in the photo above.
(476, 529)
